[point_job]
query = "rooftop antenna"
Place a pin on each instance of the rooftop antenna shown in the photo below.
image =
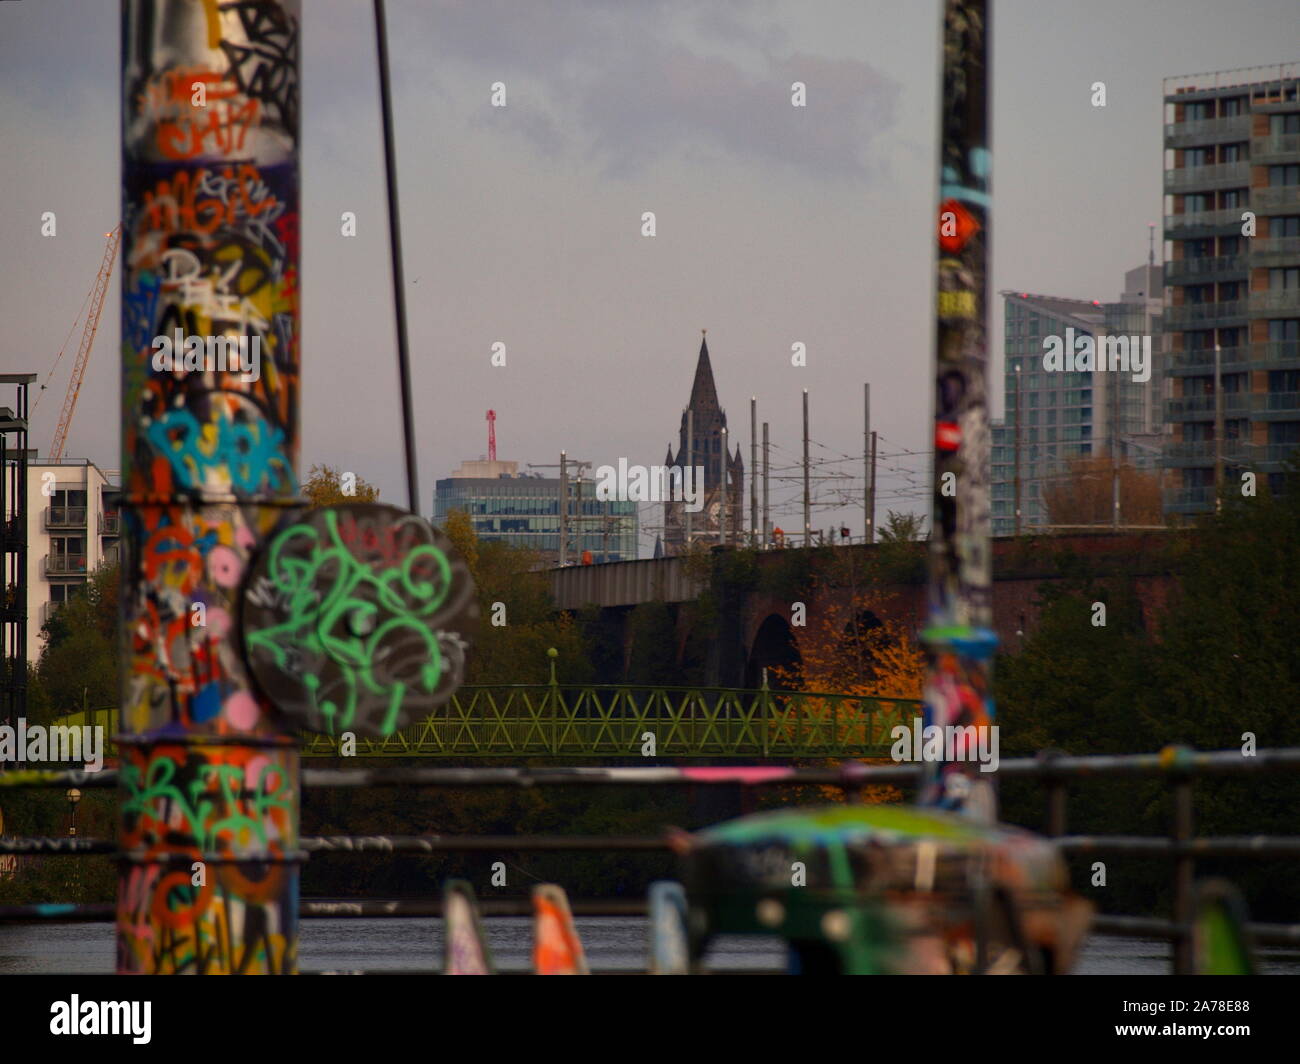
(492, 435)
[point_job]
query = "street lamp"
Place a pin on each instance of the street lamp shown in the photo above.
(74, 796)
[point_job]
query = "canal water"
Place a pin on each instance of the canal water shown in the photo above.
(611, 943)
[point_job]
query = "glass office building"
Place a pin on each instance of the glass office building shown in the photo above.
(524, 511)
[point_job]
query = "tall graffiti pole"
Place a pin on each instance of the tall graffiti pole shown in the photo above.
(210, 383)
(959, 640)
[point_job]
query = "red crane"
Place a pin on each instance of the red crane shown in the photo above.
(492, 435)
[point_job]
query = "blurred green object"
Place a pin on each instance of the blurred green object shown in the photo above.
(872, 890)
(1221, 942)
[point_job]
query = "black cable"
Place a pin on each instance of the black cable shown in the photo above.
(399, 279)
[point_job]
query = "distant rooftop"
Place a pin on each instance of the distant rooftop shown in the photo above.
(1214, 80)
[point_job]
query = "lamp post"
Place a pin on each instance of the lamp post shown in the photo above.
(73, 796)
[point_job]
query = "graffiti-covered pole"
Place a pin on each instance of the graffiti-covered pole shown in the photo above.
(959, 640)
(210, 353)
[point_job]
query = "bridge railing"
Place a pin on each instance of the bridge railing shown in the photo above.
(1178, 767)
(530, 720)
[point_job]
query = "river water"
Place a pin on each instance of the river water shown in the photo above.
(611, 943)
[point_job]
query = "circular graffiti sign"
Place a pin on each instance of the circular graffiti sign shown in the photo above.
(357, 618)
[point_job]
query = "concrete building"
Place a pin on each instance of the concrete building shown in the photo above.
(72, 529)
(1071, 413)
(523, 510)
(1232, 188)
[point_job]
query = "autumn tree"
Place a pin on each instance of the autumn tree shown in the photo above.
(518, 620)
(1084, 494)
(325, 486)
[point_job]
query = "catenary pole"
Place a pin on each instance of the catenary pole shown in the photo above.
(959, 640)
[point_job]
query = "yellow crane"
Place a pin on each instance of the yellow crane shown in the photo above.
(97, 294)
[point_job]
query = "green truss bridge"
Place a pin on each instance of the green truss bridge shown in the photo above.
(552, 720)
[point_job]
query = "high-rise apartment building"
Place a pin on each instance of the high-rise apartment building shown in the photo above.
(1068, 413)
(1232, 187)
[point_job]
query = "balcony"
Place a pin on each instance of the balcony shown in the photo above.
(1205, 315)
(1202, 453)
(1275, 303)
(1279, 148)
(1280, 199)
(1205, 268)
(1273, 251)
(65, 517)
(1193, 224)
(1277, 453)
(1201, 362)
(1189, 500)
(1207, 178)
(1276, 406)
(110, 523)
(65, 565)
(1207, 131)
(47, 610)
(1201, 407)
(1277, 354)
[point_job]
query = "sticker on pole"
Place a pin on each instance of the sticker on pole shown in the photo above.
(357, 618)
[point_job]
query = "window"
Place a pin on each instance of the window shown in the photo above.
(1279, 125)
(1284, 329)
(1234, 197)
(1233, 107)
(1229, 291)
(1284, 175)
(1197, 156)
(1198, 249)
(1284, 380)
(1200, 202)
(1231, 153)
(1285, 225)
(1285, 279)
(1229, 245)
(1197, 112)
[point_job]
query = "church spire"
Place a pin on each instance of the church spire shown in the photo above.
(704, 395)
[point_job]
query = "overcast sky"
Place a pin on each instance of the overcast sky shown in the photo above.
(523, 224)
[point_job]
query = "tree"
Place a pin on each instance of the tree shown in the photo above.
(324, 487)
(901, 528)
(80, 658)
(1084, 495)
(518, 622)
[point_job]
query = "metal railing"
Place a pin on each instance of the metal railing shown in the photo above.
(1175, 224)
(1207, 131)
(1177, 271)
(1215, 176)
(1280, 301)
(1279, 197)
(1274, 148)
(65, 517)
(536, 720)
(1179, 767)
(110, 523)
(1203, 315)
(63, 564)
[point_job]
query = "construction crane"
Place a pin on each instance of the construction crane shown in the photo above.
(97, 294)
(492, 435)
